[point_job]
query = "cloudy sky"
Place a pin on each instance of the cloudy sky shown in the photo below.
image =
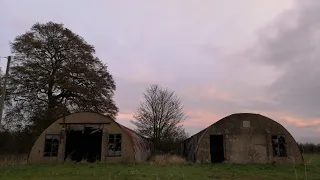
(220, 56)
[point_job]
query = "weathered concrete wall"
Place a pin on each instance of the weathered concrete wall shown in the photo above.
(133, 147)
(247, 148)
(247, 139)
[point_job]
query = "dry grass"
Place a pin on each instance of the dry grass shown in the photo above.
(167, 159)
(8, 160)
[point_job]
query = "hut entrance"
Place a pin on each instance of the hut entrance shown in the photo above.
(216, 148)
(83, 143)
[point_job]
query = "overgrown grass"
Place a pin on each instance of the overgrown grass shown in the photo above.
(167, 159)
(172, 170)
(7, 160)
(312, 159)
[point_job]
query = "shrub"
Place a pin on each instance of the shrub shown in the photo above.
(167, 159)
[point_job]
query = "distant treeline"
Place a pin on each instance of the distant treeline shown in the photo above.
(309, 148)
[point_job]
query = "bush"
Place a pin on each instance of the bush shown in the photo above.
(167, 159)
(167, 147)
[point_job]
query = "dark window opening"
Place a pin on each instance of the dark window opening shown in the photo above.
(216, 148)
(51, 145)
(279, 146)
(114, 145)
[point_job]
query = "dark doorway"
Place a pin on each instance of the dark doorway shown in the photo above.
(84, 144)
(216, 148)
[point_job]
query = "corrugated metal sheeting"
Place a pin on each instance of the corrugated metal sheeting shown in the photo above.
(141, 145)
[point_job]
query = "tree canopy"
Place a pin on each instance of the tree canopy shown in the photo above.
(55, 72)
(160, 115)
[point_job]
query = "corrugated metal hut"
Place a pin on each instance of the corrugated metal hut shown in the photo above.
(92, 137)
(243, 138)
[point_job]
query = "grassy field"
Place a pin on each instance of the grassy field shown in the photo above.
(86, 171)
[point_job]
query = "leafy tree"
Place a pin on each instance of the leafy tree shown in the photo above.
(55, 72)
(160, 115)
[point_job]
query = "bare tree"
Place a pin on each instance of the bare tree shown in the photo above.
(160, 115)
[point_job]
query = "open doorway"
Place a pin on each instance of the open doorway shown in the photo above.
(83, 143)
(216, 148)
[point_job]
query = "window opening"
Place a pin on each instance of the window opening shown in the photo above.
(51, 145)
(279, 146)
(114, 145)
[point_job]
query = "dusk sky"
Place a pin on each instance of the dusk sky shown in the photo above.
(219, 56)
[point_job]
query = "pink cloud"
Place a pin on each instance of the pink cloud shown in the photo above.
(201, 118)
(207, 91)
(287, 118)
(215, 93)
(299, 121)
(125, 116)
